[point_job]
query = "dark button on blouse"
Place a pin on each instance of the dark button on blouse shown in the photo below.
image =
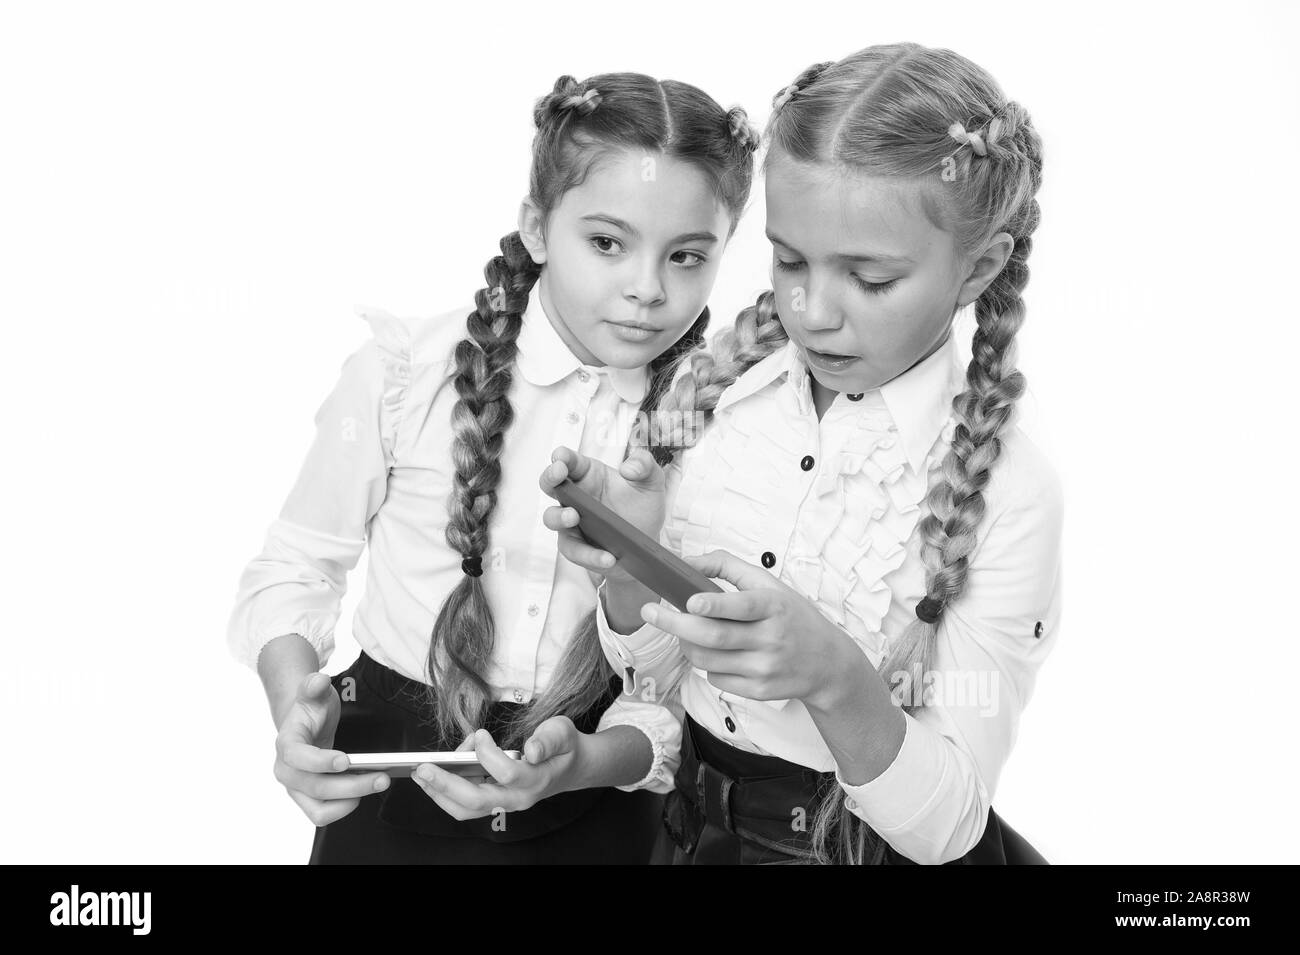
(807, 462)
(769, 559)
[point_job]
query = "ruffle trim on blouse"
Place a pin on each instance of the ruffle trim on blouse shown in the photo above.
(393, 337)
(842, 550)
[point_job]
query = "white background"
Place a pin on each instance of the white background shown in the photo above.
(194, 196)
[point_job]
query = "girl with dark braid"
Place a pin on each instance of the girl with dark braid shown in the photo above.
(890, 535)
(474, 632)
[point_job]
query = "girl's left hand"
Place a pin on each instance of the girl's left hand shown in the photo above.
(764, 641)
(550, 760)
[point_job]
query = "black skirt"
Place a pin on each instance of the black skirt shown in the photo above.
(731, 807)
(384, 711)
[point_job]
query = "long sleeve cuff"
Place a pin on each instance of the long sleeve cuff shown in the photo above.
(929, 804)
(643, 649)
(664, 731)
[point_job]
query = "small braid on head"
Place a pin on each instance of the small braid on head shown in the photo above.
(567, 98)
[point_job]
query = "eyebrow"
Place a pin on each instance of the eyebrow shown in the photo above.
(631, 230)
(851, 256)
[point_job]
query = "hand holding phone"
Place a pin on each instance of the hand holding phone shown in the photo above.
(639, 555)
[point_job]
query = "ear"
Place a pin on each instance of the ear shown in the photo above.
(530, 230)
(986, 267)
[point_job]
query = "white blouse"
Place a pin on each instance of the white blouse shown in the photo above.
(380, 472)
(833, 504)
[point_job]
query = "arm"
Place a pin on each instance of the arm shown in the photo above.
(289, 596)
(928, 789)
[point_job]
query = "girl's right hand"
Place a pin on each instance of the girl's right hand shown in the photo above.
(307, 767)
(635, 491)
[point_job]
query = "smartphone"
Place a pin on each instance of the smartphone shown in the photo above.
(401, 765)
(640, 555)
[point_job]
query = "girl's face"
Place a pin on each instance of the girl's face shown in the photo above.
(630, 257)
(866, 287)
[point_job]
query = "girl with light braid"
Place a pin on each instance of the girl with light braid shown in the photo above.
(889, 539)
(474, 633)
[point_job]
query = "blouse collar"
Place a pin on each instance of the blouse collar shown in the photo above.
(544, 358)
(919, 400)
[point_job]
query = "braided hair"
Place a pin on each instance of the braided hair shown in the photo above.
(576, 123)
(906, 111)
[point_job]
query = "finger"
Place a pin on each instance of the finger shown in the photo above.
(448, 805)
(320, 812)
(729, 567)
(746, 605)
(577, 464)
(499, 766)
(480, 798)
(575, 548)
(701, 631)
(737, 663)
(332, 785)
(553, 738)
(312, 687)
(559, 518)
(300, 754)
(552, 475)
(639, 467)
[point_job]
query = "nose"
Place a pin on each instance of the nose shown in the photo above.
(814, 309)
(646, 286)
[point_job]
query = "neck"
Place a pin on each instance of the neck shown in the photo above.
(580, 351)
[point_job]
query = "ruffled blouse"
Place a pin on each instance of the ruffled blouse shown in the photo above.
(830, 507)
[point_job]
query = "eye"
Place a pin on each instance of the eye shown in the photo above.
(698, 259)
(787, 266)
(606, 245)
(873, 288)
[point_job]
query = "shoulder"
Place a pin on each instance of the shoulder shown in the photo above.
(408, 342)
(1025, 493)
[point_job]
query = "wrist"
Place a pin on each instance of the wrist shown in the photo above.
(845, 678)
(623, 602)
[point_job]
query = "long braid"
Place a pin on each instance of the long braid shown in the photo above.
(678, 419)
(463, 636)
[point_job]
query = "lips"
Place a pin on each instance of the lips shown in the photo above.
(641, 325)
(830, 355)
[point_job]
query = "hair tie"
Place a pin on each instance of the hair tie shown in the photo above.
(584, 104)
(783, 97)
(472, 566)
(958, 132)
(739, 128)
(929, 609)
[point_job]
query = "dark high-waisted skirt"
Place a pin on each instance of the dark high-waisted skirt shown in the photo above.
(387, 712)
(731, 807)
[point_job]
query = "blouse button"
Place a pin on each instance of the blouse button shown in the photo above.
(583, 376)
(519, 696)
(730, 724)
(807, 462)
(571, 417)
(532, 610)
(768, 559)
(856, 397)
(849, 804)
(1038, 629)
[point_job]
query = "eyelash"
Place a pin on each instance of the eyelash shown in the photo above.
(871, 288)
(699, 259)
